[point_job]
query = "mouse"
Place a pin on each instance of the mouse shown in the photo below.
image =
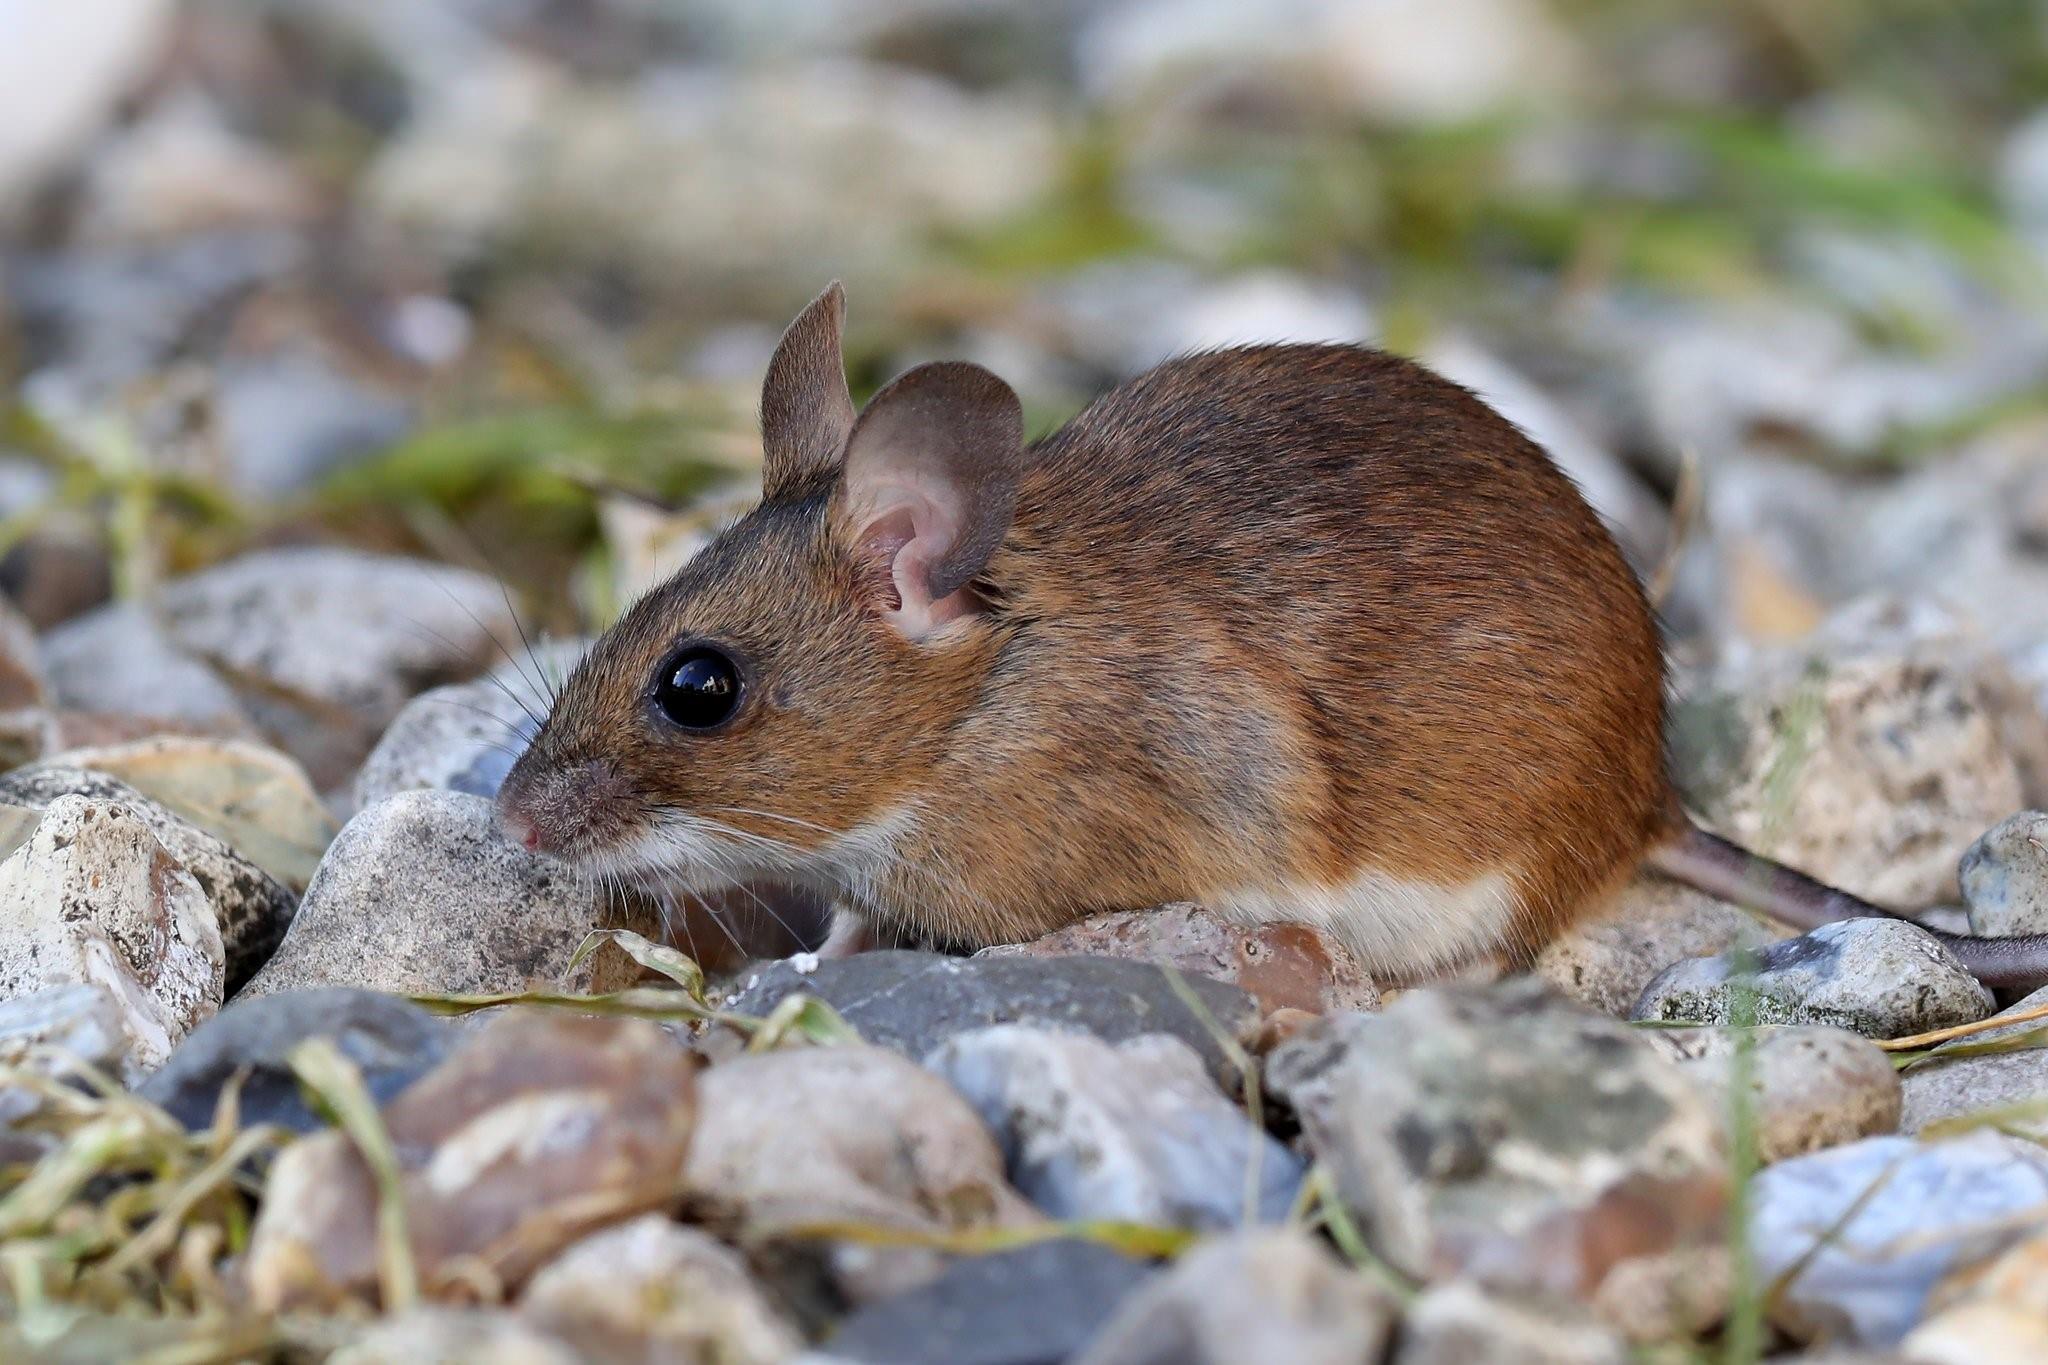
(1303, 633)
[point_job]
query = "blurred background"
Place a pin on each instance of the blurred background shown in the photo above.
(494, 281)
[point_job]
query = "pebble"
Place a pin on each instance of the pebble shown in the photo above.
(421, 895)
(1506, 1134)
(66, 71)
(81, 1020)
(455, 1336)
(1883, 978)
(1875, 1225)
(1654, 922)
(1993, 1312)
(1135, 1131)
(391, 1041)
(543, 1129)
(651, 1289)
(1035, 1305)
(1457, 1323)
(2004, 877)
(251, 908)
(914, 1002)
(847, 1134)
(1954, 1085)
(1270, 1295)
(93, 897)
(1282, 966)
(1810, 1087)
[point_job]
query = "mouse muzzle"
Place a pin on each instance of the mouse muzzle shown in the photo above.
(569, 811)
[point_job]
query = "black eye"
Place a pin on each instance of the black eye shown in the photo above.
(698, 688)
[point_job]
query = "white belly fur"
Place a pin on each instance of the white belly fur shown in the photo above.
(1397, 927)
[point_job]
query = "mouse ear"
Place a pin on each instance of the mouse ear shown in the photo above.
(806, 412)
(930, 485)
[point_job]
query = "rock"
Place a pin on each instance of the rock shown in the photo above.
(80, 1020)
(1870, 756)
(543, 1129)
(66, 70)
(1459, 1324)
(1953, 1084)
(292, 415)
(1810, 1087)
(2005, 877)
(465, 737)
(1989, 1312)
(1263, 305)
(421, 895)
(1871, 1227)
(1282, 966)
(249, 796)
(1606, 962)
(181, 169)
(1405, 61)
(1134, 1132)
(1268, 1295)
(392, 1043)
(913, 1002)
(455, 1336)
(651, 1289)
(92, 897)
(1036, 1305)
(320, 647)
(1534, 1166)
(848, 1134)
(251, 909)
(1883, 978)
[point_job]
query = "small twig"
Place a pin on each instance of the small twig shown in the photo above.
(1942, 1035)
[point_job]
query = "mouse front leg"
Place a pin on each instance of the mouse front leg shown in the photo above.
(851, 932)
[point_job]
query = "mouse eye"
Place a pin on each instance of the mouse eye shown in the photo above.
(698, 688)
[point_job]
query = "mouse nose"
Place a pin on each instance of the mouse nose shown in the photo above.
(519, 830)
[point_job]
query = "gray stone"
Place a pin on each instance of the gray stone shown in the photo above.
(1654, 922)
(1883, 978)
(1460, 1324)
(1506, 1134)
(913, 1002)
(1135, 1132)
(421, 894)
(2005, 877)
(652, 1289)
(455, 1336)
(291, 417)
(1871, 1227)
(392, 1042)
(251, 907)
(66, 69)
(1810, 1087)
(1036, 1305)
(1268, 1295)
(1954, 1085)
(80, 1020)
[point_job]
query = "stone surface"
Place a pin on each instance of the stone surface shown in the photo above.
(1282, 966)
(251, 908)
(1954, 1085)
(1036, 1305)
(392, 1042)
(654, 1290)
(1459, 1324)
(543, 1129)
(93, 897)
(80, 1020)
(913, 1002)
(1874, 1225)
(319, 647)
(1268, 1295)
(1810, 1087)
(65, 69)
(1989, 1312)
(1135, 1132)
(1655, 922)
(421, 894)
(2004, 876)
(253, 798)
(455, 1336)
(1508, 1135)
(1870, 756)
(1883, 978)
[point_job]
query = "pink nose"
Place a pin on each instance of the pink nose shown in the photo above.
(520, 831)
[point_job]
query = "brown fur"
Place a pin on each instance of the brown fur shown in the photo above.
(1262, 617)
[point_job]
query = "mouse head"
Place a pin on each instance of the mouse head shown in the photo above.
(767, 711)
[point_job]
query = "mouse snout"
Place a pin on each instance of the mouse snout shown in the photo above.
(563, 811)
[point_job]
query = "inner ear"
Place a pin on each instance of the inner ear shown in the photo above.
(806, 411)
(929, 488)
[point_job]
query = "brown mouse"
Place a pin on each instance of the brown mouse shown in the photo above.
(1300, 632)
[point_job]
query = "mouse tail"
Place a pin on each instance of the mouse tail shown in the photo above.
(1709, 863)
